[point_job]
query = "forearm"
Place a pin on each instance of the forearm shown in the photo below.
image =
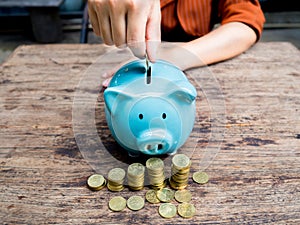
(223, 43)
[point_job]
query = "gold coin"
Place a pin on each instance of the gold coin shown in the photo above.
(151, 197)
(116, 175)
(165, 195)
(135, 202)
(186, 210)
(183, 196)
(177, 186)
(136, 169)
(117, 203)
(154, 164)
(181, 161)
(135, 188)
(115, 188)
(159, 186)
(167, 210)
(200, 177)
(96, 182)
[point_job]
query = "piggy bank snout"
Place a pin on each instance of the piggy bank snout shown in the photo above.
(154, 141)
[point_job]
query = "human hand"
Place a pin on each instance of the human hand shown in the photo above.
(109, 74)
(135, 23)
(174, 53)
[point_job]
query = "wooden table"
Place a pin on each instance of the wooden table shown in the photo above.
(254, 178)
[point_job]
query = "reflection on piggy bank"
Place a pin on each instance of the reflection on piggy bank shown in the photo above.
(153, 114)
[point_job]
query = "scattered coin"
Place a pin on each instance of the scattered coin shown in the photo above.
(135, 202)
(186, 210)
(151, 197)
(183, 196)
(200, 177)
(165, 195)
(96, 182)
(117, 203)
(167, 210)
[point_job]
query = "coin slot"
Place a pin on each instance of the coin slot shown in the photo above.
(148, 76)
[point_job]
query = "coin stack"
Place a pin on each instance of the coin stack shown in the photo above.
(116, 179)
(135, 176)
(180, 170)
(155, 169)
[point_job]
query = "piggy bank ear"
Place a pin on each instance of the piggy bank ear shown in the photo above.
(113, 94)
(184, 92)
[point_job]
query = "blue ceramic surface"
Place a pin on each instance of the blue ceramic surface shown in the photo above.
(152, 117)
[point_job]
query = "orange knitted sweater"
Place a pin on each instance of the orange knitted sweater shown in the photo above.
(184, 20)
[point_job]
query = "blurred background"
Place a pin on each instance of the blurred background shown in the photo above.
(65, 21)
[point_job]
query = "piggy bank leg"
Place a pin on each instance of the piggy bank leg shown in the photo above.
(172, 153)
(133, 154)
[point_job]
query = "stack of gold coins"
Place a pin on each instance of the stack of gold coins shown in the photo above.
(180, 170)
(135, 176)
(155, 169)
(116, 179)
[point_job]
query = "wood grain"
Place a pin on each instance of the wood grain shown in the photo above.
(254, 178)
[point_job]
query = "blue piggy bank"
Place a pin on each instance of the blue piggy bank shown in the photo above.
(150, 114)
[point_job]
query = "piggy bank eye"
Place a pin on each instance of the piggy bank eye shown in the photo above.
(141, 116)
(164, 116)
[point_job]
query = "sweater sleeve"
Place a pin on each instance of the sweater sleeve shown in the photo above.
(246, 11)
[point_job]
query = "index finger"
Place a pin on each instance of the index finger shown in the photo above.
(153, 31)
(136, 32)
